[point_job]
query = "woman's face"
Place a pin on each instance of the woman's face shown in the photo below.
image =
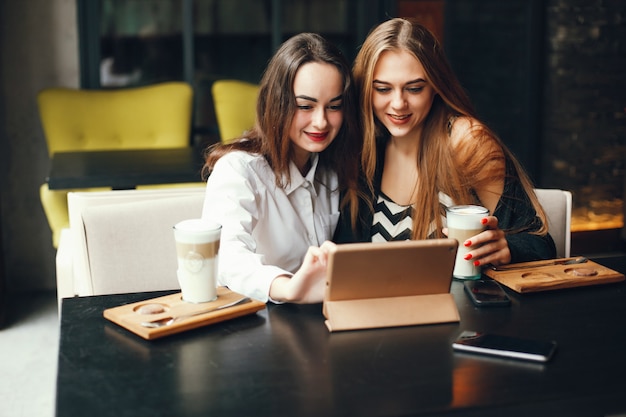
(318, 89)
(401, 96)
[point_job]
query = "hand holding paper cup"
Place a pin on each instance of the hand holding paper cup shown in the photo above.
(464, 222)
(197, 247)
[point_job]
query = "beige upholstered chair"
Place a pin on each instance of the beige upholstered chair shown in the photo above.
(122, 241)
(558, 207)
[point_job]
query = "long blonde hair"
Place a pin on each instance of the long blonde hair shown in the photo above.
(454, 170)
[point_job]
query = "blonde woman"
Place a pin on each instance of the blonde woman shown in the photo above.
(425, 148)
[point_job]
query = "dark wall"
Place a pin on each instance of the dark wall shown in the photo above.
(3, 164)
(3, 291)
(496, 49)
(550, 78)
(585, 101)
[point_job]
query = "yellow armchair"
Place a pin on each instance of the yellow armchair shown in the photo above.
(156, 116)
(235, 107)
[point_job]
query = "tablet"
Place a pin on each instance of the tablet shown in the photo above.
(389, 284)
(390, 269)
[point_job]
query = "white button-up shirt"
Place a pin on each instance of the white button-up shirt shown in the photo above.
(266, 230)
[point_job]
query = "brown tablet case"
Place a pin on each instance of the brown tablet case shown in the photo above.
(553, 274)
(373, 285)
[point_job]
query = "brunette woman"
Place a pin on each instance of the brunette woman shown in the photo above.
(276, 190)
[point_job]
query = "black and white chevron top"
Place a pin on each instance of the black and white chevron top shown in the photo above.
(391, 221)
(394, 222)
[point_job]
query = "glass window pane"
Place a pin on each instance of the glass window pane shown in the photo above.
(141, 42)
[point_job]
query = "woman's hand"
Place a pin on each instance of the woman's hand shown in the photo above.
(308, 284)
(489, 246)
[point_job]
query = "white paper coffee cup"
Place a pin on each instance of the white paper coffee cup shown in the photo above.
(197, 251)
(464, 222)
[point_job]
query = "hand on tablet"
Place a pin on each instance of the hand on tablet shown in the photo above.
(308, 284)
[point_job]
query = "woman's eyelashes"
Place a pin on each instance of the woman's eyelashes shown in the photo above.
(336, 106)
(415, 90)
(411, 90)
(331, 107)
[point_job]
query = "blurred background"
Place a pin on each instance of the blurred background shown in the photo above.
(547, 75)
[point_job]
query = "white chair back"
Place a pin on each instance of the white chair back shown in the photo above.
(558, 207)
(122, 241)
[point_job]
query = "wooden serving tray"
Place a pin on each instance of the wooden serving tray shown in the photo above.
(130, 316)
(553, 277)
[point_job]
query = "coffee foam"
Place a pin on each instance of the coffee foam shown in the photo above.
(197, 231)
(465, 217)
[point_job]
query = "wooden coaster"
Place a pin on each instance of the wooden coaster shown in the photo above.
(130, 316)
(553, 277)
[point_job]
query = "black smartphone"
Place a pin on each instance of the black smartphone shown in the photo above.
(505, 346)
(486, 292)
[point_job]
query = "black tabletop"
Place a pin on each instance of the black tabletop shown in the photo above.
(283, 361)
(124, 169)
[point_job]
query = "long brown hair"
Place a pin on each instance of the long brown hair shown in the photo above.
(455, 171)
(276, 106)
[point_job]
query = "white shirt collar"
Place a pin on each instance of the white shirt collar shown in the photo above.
(297, 180)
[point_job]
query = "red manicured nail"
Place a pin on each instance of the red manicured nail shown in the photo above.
(468, 257)
(476, 263)
(467, 243)
(484, 221)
